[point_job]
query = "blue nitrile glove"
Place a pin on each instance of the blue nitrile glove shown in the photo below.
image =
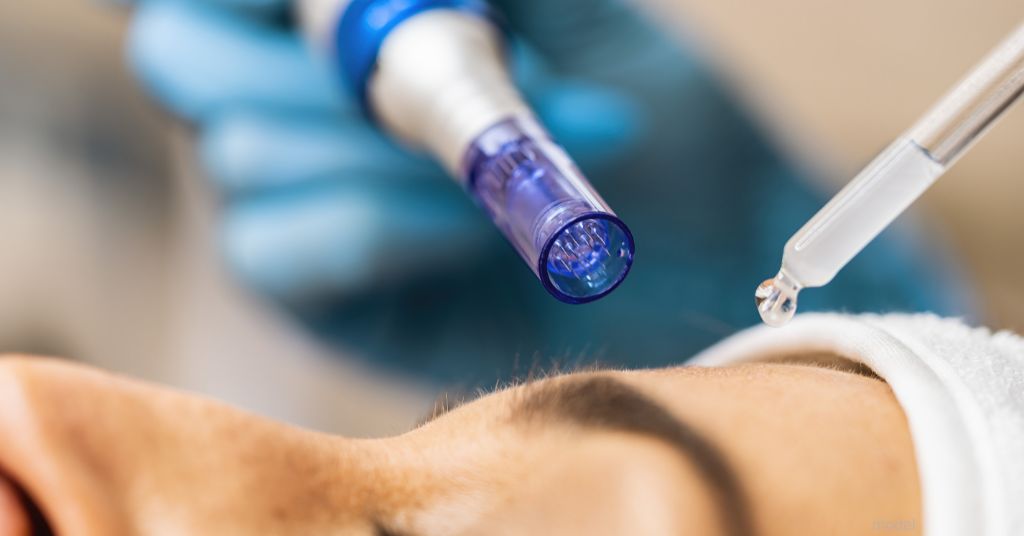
(378, 251)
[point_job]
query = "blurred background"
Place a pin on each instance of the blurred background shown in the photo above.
(107, 248)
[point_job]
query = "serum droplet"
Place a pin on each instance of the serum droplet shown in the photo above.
(776, 300)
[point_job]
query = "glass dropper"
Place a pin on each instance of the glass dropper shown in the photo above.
(894, 179)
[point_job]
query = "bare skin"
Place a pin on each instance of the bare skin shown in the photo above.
(803, 450)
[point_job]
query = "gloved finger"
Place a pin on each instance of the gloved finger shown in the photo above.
(607, 41)
(246, 151)
(199, 60)
(333, 238)
(595, 123)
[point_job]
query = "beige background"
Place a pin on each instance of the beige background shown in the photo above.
(116, 265)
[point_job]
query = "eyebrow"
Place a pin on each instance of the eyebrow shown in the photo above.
(608, 404)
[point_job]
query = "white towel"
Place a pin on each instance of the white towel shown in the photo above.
(961, 388)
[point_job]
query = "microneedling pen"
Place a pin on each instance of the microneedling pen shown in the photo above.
(894, 179)
(433, 74)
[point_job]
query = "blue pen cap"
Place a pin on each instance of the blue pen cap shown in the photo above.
(561, 227)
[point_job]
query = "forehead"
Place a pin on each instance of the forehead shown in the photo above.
(721, 421)
(589, 406)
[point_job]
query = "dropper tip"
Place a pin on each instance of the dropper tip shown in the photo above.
(776, 300)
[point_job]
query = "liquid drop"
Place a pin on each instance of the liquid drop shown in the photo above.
(776, 300)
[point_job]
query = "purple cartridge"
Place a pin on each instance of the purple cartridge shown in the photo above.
(542, 203)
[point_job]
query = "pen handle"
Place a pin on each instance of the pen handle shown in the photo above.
(960, 118)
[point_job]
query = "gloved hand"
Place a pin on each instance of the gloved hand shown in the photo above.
(379, 252)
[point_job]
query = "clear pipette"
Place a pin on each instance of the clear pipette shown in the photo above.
(894, 179)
